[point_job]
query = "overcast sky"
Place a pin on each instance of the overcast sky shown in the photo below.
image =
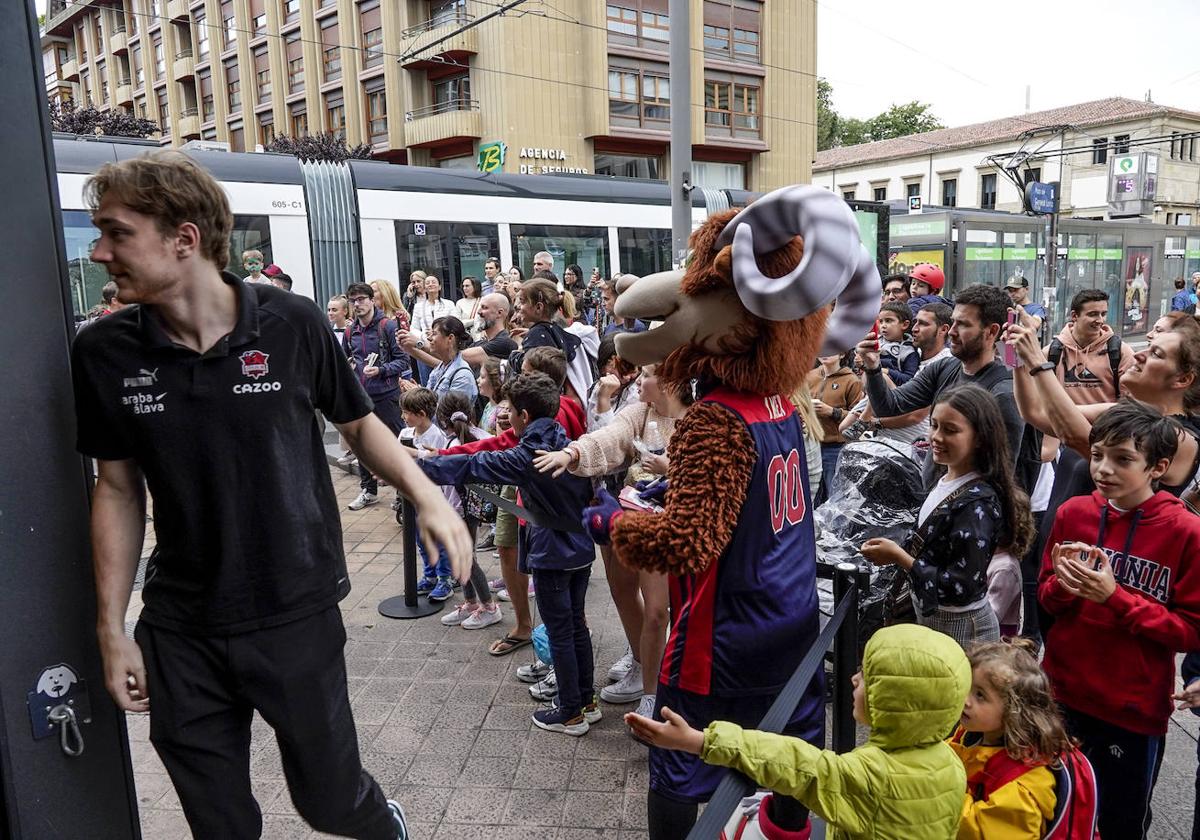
(972, 60)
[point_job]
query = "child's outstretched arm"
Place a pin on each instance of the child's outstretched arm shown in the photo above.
(672, 734)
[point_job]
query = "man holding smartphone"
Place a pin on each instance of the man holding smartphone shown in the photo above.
(374, 351)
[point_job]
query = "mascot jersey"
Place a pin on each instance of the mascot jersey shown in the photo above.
(742, 625)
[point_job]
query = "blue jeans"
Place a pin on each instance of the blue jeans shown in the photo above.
(829, 459)
(442, 570)
(423, 371)
(560, 597)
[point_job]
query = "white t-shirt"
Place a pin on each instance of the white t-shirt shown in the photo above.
(940, 491)
(434, 438)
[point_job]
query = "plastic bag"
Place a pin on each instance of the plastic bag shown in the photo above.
(541, 644)
(876, 492)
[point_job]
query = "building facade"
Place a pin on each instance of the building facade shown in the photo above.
(451, 83)
(949, 167)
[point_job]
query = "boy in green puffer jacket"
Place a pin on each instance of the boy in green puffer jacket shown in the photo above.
(905, 782)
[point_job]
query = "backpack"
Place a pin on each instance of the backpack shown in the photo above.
(1075, 797)
(1113, 348)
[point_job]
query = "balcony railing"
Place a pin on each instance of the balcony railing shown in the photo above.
(124, 82)
(457, 18)
(188, 112)
(186, 52)
(458, 104)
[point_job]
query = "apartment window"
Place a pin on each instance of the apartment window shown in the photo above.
(183, 41)
(291, 11)
(446, 12)
(294, 54)
(1032, 175)
(987, 192)
(371, 27)
(237, 138)
(331, 52)
(139, 73)
(1100, 150)
(262, 74)
(228, 24)
(912, 190)
(732, 30)
(164, 117)
(133, 17)
(155, 9)
(639, 97)
(266, 128)
(949, 192)
(335, 113)
(377, 126)
(848, 195)
(1191, 148)
(639, 23)
(258, 17)
(731, 108)
(298, 117)
(719, 176)
(452, 93)
(208, 134)
(208, 111)
(1121, 144)
(139, 106)
(102, 82)
(62, 53)
(118, 19)
(630, 166)
(1176, 147)
(160, 64)
(233, 83)
(85, 84)
(80, 44)
(880, 193)
(201, 37)
(97, 33)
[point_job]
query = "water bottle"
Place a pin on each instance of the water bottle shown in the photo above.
(654, 439)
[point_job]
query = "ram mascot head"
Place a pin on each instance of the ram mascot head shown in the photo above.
(751, 308)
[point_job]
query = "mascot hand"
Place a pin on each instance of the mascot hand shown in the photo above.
(653, 490)
(599, 518)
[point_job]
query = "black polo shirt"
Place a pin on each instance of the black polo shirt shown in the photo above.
(499, 346)
(248, 528)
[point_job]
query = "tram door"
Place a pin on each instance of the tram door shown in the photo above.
(64, 758)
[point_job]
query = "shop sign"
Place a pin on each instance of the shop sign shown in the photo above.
(923, 228)
(1081, 253)
(1020, 253)
(491, 156)
(1109, 254)
(556, 158)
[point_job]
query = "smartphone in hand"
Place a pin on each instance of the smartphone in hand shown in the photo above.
(1011, 359)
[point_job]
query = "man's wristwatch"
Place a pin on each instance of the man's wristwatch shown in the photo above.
(873, 371)
(1036, 369)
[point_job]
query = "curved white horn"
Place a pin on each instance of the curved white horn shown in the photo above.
(832, 252)
(857, 307)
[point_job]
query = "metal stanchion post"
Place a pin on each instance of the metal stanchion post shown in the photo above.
(408, 605)
(845, 658)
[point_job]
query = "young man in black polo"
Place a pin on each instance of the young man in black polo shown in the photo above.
(208, 392)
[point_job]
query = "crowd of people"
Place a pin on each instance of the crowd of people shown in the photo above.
(1033, 619)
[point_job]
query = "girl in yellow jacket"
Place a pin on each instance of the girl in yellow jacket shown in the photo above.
(1009, 708)
(904, 783)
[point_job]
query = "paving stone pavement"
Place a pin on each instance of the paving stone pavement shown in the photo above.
(445, 729)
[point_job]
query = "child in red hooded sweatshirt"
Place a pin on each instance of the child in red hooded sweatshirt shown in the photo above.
(1121, 576)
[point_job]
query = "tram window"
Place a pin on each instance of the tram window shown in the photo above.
(644, 251)
(88, 278)
(586, 247)
(249, 233)
(448, 250)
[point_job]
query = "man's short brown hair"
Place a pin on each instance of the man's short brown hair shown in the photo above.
(172, 189)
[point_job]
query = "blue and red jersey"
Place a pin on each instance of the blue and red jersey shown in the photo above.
(742, 625)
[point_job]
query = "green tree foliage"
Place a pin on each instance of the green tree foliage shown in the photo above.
(325, 146)
(897, 121)
(66, 116)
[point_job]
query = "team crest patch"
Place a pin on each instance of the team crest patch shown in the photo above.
(254, 363)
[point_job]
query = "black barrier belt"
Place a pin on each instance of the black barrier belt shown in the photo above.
(735, 786)
(557, 523)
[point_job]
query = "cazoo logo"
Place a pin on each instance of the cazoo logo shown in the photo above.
(256, 387)
(144, 403)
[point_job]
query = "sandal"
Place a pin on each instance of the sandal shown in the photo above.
(506, 645)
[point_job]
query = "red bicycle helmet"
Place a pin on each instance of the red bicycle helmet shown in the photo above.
(930, 275)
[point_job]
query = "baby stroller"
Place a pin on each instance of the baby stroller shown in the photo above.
(876, 492)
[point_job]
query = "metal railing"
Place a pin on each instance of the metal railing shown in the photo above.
(841, 632)
(458, 18)
(456, 104)
(188, 112)
(186, 52)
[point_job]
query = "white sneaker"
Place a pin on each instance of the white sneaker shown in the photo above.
(502, 595)
(533, 672)
(646, 706)
(621, 667)
(346, 458)
(627, 690)
(483, 617)
(459, 614)
(364, 499)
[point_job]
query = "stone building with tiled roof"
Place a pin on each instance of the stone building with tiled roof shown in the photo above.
(949, 166)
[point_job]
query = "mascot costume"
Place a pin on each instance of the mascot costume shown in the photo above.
(742, 324)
